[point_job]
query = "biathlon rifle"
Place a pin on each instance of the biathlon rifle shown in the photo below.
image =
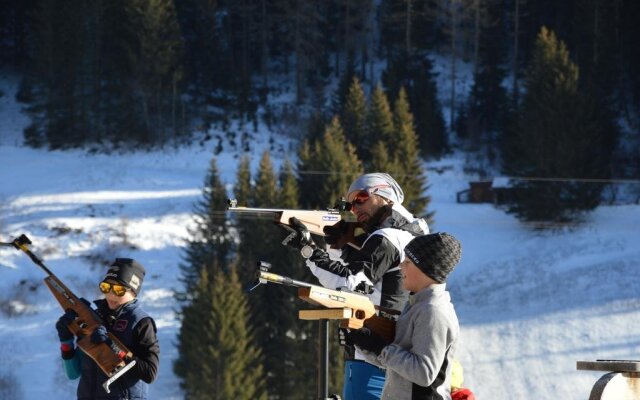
(114, 359)
(354, 309)
(327, 222)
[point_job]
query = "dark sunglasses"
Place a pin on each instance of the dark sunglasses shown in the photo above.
(118, 290)
(360, 198)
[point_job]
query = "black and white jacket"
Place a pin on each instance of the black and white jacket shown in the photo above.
(377, 263)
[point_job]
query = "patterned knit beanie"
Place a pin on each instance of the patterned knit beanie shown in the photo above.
(128, 272)
(378, 183)
(436, 254)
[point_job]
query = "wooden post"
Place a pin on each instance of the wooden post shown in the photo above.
(621, 383)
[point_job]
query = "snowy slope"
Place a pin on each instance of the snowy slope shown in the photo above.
(530, 303)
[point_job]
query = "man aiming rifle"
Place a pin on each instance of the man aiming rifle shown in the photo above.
(376, 201)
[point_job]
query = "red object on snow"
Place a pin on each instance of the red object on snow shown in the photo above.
(463, 394)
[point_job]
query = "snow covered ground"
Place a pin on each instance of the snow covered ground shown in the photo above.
(531, 303)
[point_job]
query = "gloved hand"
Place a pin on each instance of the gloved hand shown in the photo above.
(339, 234)
(62, 325)
(344, 338)
(320, 256)
(335, 232)
(100, 335)
(368, 340)
(300, 238)
(364, 287)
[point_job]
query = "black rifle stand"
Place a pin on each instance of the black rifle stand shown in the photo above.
(323, 361)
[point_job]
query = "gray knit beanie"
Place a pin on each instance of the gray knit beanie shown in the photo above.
(378, 183)
(435, 254)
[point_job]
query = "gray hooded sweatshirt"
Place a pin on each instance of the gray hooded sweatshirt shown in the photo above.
(418, 362)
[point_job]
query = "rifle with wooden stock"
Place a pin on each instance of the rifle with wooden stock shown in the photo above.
(354, 309)
(113, 358)
(326, 223)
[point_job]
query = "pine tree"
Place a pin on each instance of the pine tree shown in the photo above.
(335, 159)
(157, 69)
(240, 28)
(265, 193)
(206, 59)
(415, 73)
(243, 195)
(58, 119)
(259, 236)
(116, 107)
(407, 26)
(14, 24)
(326, 169)
(97, 67)
(382, 160)
(306, 21)
(353, 26)
(217, 357)
(300, 363)
(339, 99)
(404, 145)
(273, 306)
(303, 335)
(488, 103)
(354, 116)
(399, 155)
(629, 81)
(242, 188)
(255, 231)
(453, 16)
(308, 179)
(379, 124)
(561, 136)
(192, 327)
(210, 242)
(288, 193)
(338, 157)
(241, 374)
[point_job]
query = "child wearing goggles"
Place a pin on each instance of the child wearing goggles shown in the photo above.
(117, 289)
(122, 316)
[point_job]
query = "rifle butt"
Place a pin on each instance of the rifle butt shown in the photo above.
(108, 361)
(384, 327)
(110, 358)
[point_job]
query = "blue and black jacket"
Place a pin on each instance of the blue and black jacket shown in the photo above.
(137, 331)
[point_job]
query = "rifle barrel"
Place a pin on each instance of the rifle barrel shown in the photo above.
(255, 210)
(283, 280)
(21, 243)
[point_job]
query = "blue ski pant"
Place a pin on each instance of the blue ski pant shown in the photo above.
(362, 381)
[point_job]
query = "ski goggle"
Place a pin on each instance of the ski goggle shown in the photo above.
(360, 198)
(118, 290)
